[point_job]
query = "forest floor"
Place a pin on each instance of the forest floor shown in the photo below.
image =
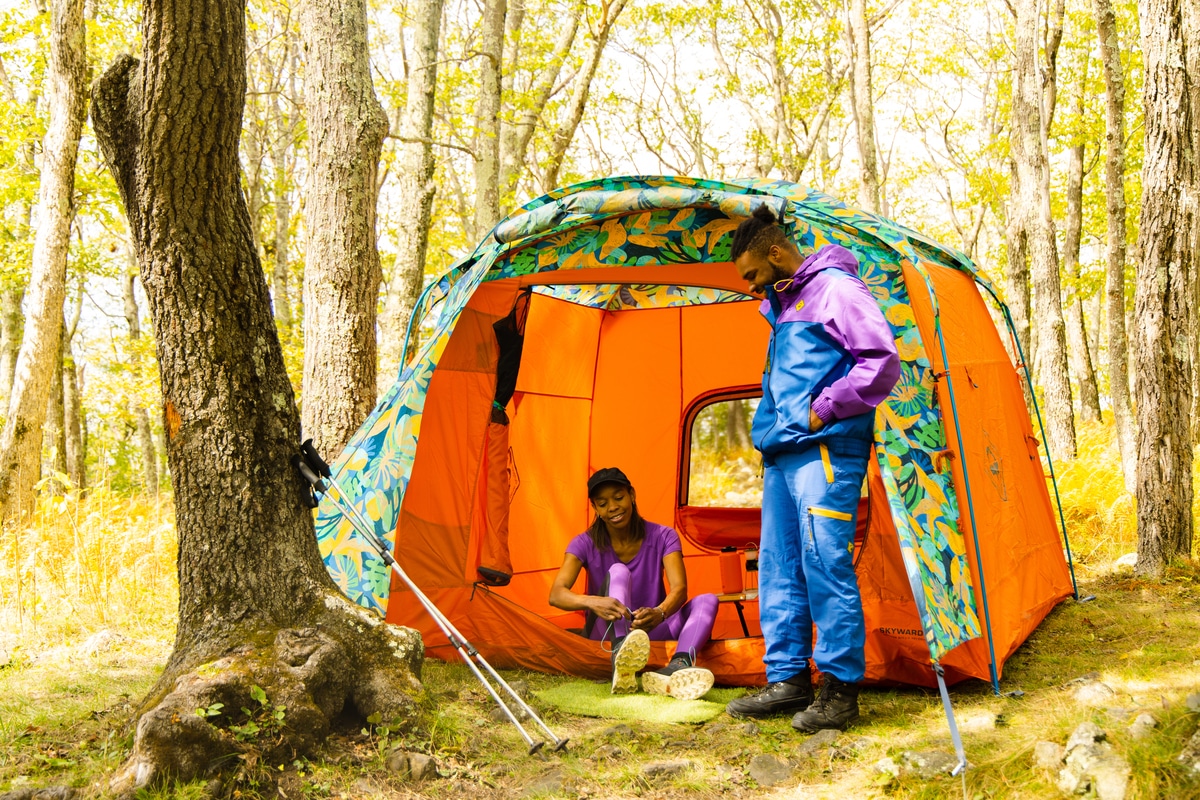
(65, 714)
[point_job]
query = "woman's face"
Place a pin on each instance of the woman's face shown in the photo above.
(613, 503)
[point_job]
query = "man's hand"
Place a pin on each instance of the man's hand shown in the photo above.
(647, 618)
(815, 423)
(609, 609)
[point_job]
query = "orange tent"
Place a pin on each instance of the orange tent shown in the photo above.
(631, 328)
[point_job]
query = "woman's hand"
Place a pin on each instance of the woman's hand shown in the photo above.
(609, 609)
(647, 618)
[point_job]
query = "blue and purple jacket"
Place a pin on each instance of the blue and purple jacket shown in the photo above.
(831, 350)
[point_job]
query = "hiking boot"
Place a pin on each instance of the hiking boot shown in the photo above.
(834, 709)
(629, 655)
(679, 679)
(793, 694)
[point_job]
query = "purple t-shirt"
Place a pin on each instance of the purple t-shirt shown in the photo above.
(645, 570)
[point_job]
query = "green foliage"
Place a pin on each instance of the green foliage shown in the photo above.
(263, 722)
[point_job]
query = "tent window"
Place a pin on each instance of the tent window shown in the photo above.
(722, 464)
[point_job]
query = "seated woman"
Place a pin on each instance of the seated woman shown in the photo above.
(625, 558)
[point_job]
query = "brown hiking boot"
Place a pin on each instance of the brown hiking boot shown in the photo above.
(835, 707)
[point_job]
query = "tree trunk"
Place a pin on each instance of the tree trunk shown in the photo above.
(21, 440)
(141, 420)
(610, 10)
(864, 105)
(1114, 192)
(415, 175)
(1162, 300)
(255, 602)
(487, 119)
(284, 135)
(346, 126)
(54, 441)
(1191, 36)
(11, 324)
(1017, 286)
(514, 144)
(76, 444)
(1081, 357)
(1029, 154)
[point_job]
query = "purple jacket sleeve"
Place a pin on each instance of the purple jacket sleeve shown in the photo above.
(860, 328)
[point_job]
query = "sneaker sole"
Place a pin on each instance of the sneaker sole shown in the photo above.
(632, 656)
(653, 683)
(690, 684)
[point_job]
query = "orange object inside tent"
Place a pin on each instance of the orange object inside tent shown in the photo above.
(604, 388)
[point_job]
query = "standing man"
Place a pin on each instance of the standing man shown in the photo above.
(831, 360)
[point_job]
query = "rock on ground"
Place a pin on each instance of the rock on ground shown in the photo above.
(1093, 766)
(412, 766)
(929, 763)
(619, 732)
(1143, 726)
(606, 751)
(1191, 753)
(751, 729)
(663, 769)
(1193, 703)
(978, 721)
(1049, 755)
(1094, 693)
(47, 793)
(769, 770)
(549, 782)
(817, 742)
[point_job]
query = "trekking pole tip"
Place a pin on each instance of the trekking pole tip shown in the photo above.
(561, 745)
(533, 748)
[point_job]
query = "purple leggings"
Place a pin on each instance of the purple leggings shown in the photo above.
(691, 625)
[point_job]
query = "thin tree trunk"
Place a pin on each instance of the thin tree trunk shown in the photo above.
(417, 189)
(141, 420)
(610, 10)
(1114, 192)
(1029, 154)
(864, 105)
(76, 443)
(1017, 286)
(11, 325)
(281, 188)
(1163, 296)
(487, 119)
(346, 127)
(1081, 357)
(514, 144)
(21, 440)
(54, 443)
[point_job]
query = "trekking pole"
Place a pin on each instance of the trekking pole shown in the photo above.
(312, 467)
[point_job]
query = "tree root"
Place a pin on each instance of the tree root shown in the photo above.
(277, 698)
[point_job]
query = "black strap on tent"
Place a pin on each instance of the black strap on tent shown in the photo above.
(510, 335)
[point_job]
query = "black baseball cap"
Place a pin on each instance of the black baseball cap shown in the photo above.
(606, 475)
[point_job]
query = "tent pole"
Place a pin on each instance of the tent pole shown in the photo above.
(987, 617)
(1042, 429)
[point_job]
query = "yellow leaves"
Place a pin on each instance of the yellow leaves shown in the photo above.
(614, 237)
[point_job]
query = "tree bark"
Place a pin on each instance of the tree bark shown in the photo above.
(1081, 357)
(251, 581)
(1162, 300)
(54, 441)
(417, 189)
(141, 420)
(76, 443)
(487, 119)
(281, 189)
(1029, 155)
(1114, 193)
(1016, 285)
(610, 10)
(21, 440)
(11, 325)
(863, 105)
(346, 127)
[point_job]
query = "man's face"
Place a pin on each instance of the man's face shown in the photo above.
(761, 271)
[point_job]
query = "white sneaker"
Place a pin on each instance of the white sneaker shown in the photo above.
(690, 684)
(629, 658)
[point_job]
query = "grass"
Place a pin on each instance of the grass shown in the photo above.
(86, 623)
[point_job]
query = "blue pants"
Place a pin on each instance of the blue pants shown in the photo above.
(806, 564)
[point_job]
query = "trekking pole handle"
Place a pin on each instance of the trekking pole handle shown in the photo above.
(314, 460)
(306, 472)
